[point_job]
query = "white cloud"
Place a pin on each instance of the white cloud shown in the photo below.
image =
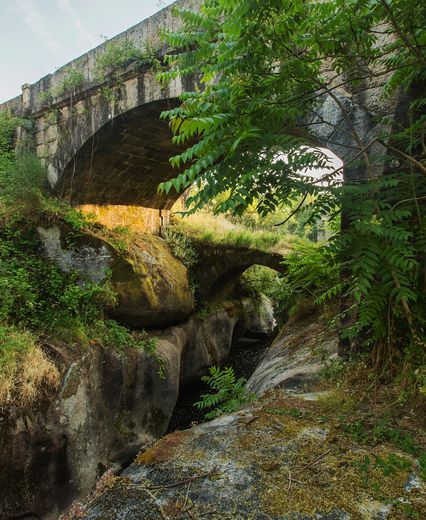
(85, 37)
(38, 24)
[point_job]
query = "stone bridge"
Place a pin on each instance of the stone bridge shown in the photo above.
(100, 136)
(220, 266)
(106, 149)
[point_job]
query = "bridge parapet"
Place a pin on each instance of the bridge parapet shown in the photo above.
(100, 135)
(32, 100)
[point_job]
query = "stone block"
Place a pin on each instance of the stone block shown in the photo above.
(51, 133)
(41, 150)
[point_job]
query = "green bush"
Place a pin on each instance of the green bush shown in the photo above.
(118, 54)
(72, 80)
(115, 335)
(35, 293)
(23, 184)
(181, 246)
(259, 280)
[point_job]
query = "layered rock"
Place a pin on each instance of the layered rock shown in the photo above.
(284, 458)
(295, 358)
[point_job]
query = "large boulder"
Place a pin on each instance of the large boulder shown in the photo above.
(205, 341)
(260, 319)
(152, 286)
(109, 405)
(296, 356)
(286, 457)
(278, 461)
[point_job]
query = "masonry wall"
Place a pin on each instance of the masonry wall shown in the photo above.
(138, 218)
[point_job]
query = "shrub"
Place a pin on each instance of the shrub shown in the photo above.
(113, 334)
(118, 54)
(71, 81)
(181, 246)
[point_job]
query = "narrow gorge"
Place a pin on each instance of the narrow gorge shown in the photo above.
(112, 403)
(213, 262)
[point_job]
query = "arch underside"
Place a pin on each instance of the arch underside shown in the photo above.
(220, 267)
(124, 161)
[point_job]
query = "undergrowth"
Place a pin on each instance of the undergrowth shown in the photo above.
(118, 54)
(204, 226)
(72, 80)
(40, 301)
(25, 370)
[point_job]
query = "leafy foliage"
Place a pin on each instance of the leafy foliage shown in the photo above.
(263, 69)
(229, 392)
(23, 184)
(73, 79)
(35, 293)
(118, 336)
(181, 246)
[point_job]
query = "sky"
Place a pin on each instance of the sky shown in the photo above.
(39, 36)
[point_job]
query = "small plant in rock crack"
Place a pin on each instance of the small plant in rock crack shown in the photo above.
(229, 393)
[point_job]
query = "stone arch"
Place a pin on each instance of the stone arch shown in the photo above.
(219, 268)
(120, 161)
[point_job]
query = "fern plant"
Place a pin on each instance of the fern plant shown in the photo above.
(229, 393)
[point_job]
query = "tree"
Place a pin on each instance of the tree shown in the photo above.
(263, 68)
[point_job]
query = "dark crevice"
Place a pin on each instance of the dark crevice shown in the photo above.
(245, 355)
(26, 516)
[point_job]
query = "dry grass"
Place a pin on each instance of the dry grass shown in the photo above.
(25, 370)
(206, 227)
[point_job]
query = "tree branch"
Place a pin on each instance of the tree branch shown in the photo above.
(404, 155)
(293, 212)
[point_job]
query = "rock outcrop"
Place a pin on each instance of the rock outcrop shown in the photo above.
(152, 286)
(285, 458)
(110, 404)
(295, 358)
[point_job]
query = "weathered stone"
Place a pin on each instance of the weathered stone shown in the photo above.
(137, 218)
(260, 318)
(109, 404)
(279, 459)
(220, 266)
(208, 342)
(295, 357)
(151, 284)
(109, 146)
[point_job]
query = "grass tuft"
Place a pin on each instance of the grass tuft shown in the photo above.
(25, 370)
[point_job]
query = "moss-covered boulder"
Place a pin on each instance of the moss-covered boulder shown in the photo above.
(152, 286)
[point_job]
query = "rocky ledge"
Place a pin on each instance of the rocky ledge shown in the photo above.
(286, 457)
